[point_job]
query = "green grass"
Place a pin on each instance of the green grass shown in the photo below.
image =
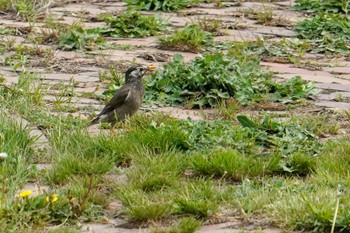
(232, 165)
(151, 172)
(336, 6)
(199, 198)
(162, 5)
(183, 225)
(211, 25)
(326, 32)
(191, 38)
(25, 8)
(16, 142)
(178, 173)
(77, 38)
(131, 24)
(197, 82)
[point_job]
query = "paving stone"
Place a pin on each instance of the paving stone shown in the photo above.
(333, 105)
(81, 77)
(238, 35)
(73, 100)
(185, 114)
(339, 70)
(9, 80)
(206, 11)
(14, 23)
(66, 55)
(232, 227)
(138, 41)
(109, 228)
(15, 39)
(316, 77)
(345, 76)
(339, 94)
(275, 31)
(333, 86)
(287, 71)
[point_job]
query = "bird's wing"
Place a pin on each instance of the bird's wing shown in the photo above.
(118, 99)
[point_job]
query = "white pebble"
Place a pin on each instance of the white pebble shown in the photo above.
(3, 155)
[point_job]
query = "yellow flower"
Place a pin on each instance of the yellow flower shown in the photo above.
(26, 193)
(53, 198)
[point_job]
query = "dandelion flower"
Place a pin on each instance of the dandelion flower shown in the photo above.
(53, 198)
(26, 193)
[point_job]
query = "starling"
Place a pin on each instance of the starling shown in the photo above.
(128, 99)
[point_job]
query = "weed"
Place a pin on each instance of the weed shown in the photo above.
(126, 47)
(280, 135)
(199, 198)
(25, 55)
(326, 32)
(211, 25)
(18, 146)
(183, 225)
(142, 207)
(209, 79)
(26, 96)
(162, 5)
(227, 109)
(190, 38)
(78, 38)
(232, 165)
(264, 15)
(132, 24)
(7, 31)
(283, 51)
(26, 8)
(153, 173)
(109, 75)
(314, 6)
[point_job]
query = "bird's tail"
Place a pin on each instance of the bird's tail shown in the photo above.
(94, 121)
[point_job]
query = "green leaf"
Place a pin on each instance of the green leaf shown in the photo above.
(246, 122)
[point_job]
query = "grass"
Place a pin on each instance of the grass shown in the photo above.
(264, 15)
(183, 225)
(179, 173)
(190, 38)
(326, 32)
(77, 38)
(233, 165)
(15, 170)
(26, 8)
(314, 6)
(131, 24)
(211, 25)
(197, 83)
(162, 5)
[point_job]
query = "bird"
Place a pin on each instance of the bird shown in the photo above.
(127, 100)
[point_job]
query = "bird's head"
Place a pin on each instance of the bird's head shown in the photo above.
(136, 72)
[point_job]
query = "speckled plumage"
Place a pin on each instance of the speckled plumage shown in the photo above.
(127, 100)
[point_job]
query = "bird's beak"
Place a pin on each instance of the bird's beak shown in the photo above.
(151, 68)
